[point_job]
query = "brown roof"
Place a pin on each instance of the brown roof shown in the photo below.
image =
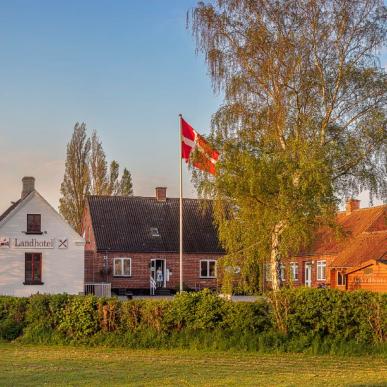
(328, 242)
(366, 246)
(127, 223)
(364, 237)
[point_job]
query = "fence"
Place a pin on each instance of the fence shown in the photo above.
(99, 289)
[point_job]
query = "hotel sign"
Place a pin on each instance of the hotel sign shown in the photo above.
(33, 243)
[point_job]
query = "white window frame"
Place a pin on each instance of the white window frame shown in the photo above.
(208, 268)
(293, 266)
(283, 272)
(321, 267)
(267, 269)
(122, 259)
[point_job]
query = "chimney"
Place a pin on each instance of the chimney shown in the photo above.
(161, 194)
(28, 186)
(351, 205)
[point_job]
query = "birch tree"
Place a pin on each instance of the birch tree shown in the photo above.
(303, 120)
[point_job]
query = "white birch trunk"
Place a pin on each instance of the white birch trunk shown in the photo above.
(275, 260)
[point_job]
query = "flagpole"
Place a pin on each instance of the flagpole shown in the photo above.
(181, 206)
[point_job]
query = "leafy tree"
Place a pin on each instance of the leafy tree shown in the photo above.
(114, 184)
(303, 120)
(98, 168)
(86, 173)
(126, 185)
(76, 181)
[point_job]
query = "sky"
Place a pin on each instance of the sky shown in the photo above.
(125, 68)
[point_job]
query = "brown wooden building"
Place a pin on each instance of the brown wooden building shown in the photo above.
(355, 260)
(132, 243)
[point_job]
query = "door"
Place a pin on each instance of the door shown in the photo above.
(308, 274)
(158, 272)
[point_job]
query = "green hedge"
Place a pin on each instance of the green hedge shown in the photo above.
(315, 320)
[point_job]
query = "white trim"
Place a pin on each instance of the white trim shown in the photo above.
(294, 265)
(208, 268)
(39, 196)
(122, 266)
(164, 269)
(308, 268)
(322, 265)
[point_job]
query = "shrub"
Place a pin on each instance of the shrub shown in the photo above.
(312, 320)
(80, 317)
(12, 316)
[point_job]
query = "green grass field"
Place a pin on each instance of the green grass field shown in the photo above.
(55, 365)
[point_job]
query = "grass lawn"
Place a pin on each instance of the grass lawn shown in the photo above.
(55, 365)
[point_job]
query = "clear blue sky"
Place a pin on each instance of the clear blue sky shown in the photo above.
(126, 68)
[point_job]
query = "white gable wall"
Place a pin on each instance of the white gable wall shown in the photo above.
(62, 269)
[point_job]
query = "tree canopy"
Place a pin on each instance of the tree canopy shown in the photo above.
(303, 123)
(87, 173)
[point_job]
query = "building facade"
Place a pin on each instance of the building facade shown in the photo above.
(132, 243)
(39, 251)
(356, 259)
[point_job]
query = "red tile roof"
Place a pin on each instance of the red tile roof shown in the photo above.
(364, 237)
(365, 247)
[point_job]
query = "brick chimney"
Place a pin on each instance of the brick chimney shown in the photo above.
(351, 205)
(28, 186)
(161, 194)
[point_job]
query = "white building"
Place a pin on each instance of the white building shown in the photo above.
(39, 251)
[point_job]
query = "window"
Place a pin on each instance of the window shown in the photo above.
(321, 270)
(34, 224)
(122, 267)
(294, 271)
(33, 269)
(282, 272)
(154, 232)
(341, 280)
(267, 269)
(207, 269)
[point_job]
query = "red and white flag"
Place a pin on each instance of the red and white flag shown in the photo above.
(191, 141)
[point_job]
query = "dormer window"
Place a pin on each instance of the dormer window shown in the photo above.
(34, 222)
(154, 232)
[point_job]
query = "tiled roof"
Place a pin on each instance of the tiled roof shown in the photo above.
(368, 245)
(354, 224)
(365, 238)
(127, 224)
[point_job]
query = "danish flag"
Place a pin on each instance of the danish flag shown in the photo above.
(207, 157)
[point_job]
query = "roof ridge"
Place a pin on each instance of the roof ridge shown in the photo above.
(144, 197)
(364, 209)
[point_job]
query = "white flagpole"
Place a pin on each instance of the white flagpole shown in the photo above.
(181, 206)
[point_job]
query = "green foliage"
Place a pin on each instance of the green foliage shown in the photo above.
(12, 317)
(292, 141)
(87, 173)
(358, 316)
(126, 184)
(316, 321)
(80, 317)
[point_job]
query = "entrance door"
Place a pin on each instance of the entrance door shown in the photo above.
(158, 272)
(308, 274)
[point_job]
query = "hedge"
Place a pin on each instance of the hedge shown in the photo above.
(316, 320)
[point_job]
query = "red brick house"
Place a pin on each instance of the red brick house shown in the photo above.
(132, 243)
(356, 260)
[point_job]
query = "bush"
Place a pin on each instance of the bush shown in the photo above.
(12, 317)
(80, 317)
(295, 320)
